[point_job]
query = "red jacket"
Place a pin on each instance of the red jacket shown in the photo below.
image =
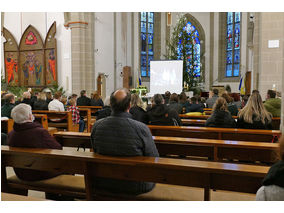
(32, 135)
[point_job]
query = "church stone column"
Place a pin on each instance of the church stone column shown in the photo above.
(82, 38)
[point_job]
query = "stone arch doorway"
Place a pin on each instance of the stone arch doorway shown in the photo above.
(101, 85)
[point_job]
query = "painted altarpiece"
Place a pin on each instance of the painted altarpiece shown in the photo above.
(33, 63)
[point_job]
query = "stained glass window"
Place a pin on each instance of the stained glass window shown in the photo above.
(233, 44)
(192, 51)
(147, 38)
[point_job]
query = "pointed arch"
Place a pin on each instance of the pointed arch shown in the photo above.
(51, 56)
(11, 58)
(32, 63)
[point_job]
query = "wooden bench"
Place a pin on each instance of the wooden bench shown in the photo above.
(216, 133)
(193, 122)
(202, 174)
(7, 125)
(93, 109)
(211, 149)
(186, 120)
(87, 114)
(66, 116)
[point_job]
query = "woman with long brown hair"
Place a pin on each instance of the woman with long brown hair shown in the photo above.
(220, 117)
(273, 183)
(254, 115)
(96, 99)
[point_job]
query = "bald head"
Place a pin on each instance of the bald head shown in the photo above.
(120, 100)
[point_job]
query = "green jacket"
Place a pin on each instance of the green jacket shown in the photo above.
(273, 105)
(6, 110)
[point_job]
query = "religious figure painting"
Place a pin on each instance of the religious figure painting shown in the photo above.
(11, 67)
(51, 71)
(32, 68)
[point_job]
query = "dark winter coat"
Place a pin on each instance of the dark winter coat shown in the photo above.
(221, 118)
(255, 125)
(162, 115)
(32, 135)
(40, 105)
(120, 135)
(139, 114)
(195, 108)
(175, 106)
(83, 101)
(98, 102)
(103, 113)
(6, 110)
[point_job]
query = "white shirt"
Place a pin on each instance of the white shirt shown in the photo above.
(56, 105)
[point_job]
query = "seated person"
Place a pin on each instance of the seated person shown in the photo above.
(173, 104)
(273, 104)
(83, 100)
(27, 98)
(161, 114)
(120, 135)
(96, 100)
(195, 106)
(220, 117)
(105, 111)
(213, 96)
(56, 104)
(40, 103)
(233, 109)
(29, 134)
(254, 115)
(136, 109)
(273, 183)
(49, 97)
(183, 101)
(9, 104)
(76, 119)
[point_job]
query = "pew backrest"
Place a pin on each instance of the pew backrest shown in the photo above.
(216, 133)
(208, 175)
(58, 115)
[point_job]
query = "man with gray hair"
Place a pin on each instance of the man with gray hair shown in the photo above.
(27, 133)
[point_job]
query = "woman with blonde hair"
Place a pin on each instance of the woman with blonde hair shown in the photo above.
(96, 99)
(137, 109)
(220, 117)
(254, 115)
(273, 183)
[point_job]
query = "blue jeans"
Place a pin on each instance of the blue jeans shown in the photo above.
(81, 125)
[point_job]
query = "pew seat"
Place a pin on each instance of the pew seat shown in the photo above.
(14, 197)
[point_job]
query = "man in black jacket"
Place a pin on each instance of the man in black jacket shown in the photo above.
(83, 100)
(120, 135)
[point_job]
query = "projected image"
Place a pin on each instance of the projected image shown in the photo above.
(166, 76)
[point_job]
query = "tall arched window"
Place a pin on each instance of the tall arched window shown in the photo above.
(233, 44)
(192, 47)
(147, 35)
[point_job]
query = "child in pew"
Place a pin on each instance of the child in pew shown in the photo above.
(76, 115)
(273, 183)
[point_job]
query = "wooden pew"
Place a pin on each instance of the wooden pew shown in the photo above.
(7, 125)
(86, 113)
(58, 115)
(93, 109)
(275, 120)
(193, 122)
(203, 174)
(216, 133)
(216, 150)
